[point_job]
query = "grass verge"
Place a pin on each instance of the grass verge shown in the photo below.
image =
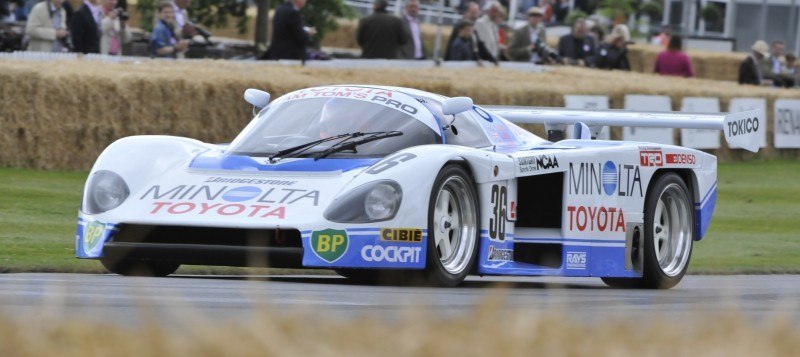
(753, 232)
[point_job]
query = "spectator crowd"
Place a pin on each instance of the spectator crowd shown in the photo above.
(97, 26)
(481, 35)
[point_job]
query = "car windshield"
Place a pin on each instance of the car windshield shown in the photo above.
(291, 123)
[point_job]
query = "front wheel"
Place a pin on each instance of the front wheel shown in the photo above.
(452, 227)
(669, 235)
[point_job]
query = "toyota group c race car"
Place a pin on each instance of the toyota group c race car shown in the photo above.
(366, 180)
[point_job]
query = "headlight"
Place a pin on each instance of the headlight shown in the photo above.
(372, 202)
(106, 190)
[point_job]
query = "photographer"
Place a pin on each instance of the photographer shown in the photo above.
(115, 31)
(47, 27)
(529, 43)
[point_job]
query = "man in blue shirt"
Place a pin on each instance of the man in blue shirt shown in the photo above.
(163, 42)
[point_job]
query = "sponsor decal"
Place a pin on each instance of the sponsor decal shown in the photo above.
(404, 235)
(329, 244)
(391, 254)
(390, 162)
(610, 178)
(497, 222)
(742, 126)
(380, 96)
(93, 235)
(650, 156)
(576, 260)
(596, 219)
(681, 159)
(513, 210)
(787, 122)
(502, 255)
(215, 179)
(537, 163)
(250, 201)
(483, 114)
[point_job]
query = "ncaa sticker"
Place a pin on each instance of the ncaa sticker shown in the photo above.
(329, 244)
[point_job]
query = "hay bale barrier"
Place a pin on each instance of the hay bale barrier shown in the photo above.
(62, 114)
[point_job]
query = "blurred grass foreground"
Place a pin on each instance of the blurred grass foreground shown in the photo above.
(487, 331)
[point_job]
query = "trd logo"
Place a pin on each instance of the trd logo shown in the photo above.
(651, 157)
(329, 244)
(742, 126)
(576, 260)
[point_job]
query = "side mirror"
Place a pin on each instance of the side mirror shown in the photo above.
(258, 98)
(582, 131)
(455, 105)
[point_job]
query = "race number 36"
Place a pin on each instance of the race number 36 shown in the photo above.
(497, 223)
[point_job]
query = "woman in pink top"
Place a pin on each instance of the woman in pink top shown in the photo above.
(672, 61)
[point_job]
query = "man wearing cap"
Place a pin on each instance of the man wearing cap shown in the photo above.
(749, 69)
(527, 41)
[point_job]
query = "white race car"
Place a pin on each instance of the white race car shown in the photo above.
(368, 180)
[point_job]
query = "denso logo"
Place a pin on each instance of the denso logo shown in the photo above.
(592, 179)
(596, 219)
(742, 126)
(391, 254)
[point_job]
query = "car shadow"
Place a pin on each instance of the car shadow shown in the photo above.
(338, 280)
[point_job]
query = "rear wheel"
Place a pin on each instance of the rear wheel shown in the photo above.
(139, 268)
(669, 235)
(452, 227)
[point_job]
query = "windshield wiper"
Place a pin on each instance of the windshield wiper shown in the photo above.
(303, 147)
(351, 145)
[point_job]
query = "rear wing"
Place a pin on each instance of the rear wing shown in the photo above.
(741, 128)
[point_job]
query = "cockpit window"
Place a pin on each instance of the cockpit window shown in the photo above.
(290, 123)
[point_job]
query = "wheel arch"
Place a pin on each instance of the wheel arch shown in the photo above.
(689, 178)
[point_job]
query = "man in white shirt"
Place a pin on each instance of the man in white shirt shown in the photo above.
(413, 49)
(487, 29)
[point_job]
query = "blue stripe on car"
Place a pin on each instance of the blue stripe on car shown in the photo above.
(246, 163)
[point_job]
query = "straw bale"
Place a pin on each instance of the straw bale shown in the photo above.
(60, 115)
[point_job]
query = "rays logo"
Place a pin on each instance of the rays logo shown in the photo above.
(609, 178)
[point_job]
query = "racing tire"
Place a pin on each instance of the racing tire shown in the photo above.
(139, 267)
(668, 236)
(452, 228)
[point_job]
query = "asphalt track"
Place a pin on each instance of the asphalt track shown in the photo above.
(122, 299)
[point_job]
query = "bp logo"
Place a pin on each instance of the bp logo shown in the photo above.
(609, 178)
(329, 244)
(93, 235)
